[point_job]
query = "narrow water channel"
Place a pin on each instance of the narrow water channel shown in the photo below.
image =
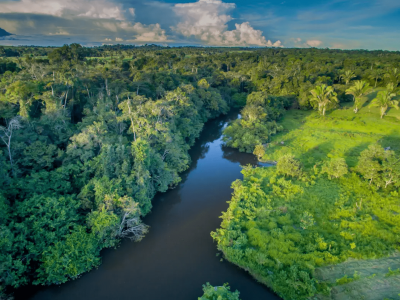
(178, 255)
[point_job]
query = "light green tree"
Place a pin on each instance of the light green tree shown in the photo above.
(259, 150)
(393, 76)
(375, 75)
(325, 97)
(347, 76)
(336, 167)
(203, 83)
(218, 293)
(287, 165)
(358, 90)
(384, 100)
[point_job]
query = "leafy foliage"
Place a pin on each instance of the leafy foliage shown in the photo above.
(257, 122)
(335, 167)
(288, 166)
(324, 98)
(384, 99)
(86, 149)
(218, 293)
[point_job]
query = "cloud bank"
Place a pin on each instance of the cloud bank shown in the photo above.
(206, 20)
(203, 22)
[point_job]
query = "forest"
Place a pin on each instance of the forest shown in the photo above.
(90, 135)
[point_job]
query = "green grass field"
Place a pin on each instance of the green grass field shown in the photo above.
(341, 133)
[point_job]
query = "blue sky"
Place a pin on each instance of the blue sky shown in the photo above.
(362, 24)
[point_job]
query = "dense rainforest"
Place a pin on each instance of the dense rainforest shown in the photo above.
(90, 135)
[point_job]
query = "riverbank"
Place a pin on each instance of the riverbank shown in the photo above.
(282, 227)
(177, 256)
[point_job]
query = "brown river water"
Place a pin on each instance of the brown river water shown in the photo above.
(178, 255)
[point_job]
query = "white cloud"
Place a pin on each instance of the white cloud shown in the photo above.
(206, 20)
(60, 32)
(93, 19)
(305, 43)
(314, 43)
(150, 33)
(100, 9)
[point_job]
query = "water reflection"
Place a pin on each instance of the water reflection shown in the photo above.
(233, 155)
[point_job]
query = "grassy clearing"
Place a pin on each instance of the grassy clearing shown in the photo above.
(341, 133)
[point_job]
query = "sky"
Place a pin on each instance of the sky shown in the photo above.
(339, 24)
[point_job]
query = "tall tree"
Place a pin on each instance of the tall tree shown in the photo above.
(325, 97)
(384, 100)
(393, 76)
(358, 90)
(347, 76)
(7, 133)
(375, 75)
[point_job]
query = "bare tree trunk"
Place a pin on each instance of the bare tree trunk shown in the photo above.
(9, 153)
(14, 124)
(130, 116)
(65, 101)
(87, 89)
(108, 93)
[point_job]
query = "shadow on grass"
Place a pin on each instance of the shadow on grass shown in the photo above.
(352, 155)
(391, 140)
(368, 98)
(316, 154)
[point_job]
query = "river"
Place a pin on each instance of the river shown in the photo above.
(178, 255)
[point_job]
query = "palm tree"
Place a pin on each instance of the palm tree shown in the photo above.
(347, 76)
(393, 76)
(375, 75)
(325, 97)
(358, 90)
(384, 99)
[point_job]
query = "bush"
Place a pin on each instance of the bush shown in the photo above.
(336, 167)
(218, 293)
(259, 150)
(289, 166)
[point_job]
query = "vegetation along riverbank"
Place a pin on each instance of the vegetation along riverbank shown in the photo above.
(90, 135)
(324, 222)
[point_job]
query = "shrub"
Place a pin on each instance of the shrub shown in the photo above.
(289, 166)
(336, 167)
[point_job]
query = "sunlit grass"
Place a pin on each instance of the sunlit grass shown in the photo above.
(341, 133)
